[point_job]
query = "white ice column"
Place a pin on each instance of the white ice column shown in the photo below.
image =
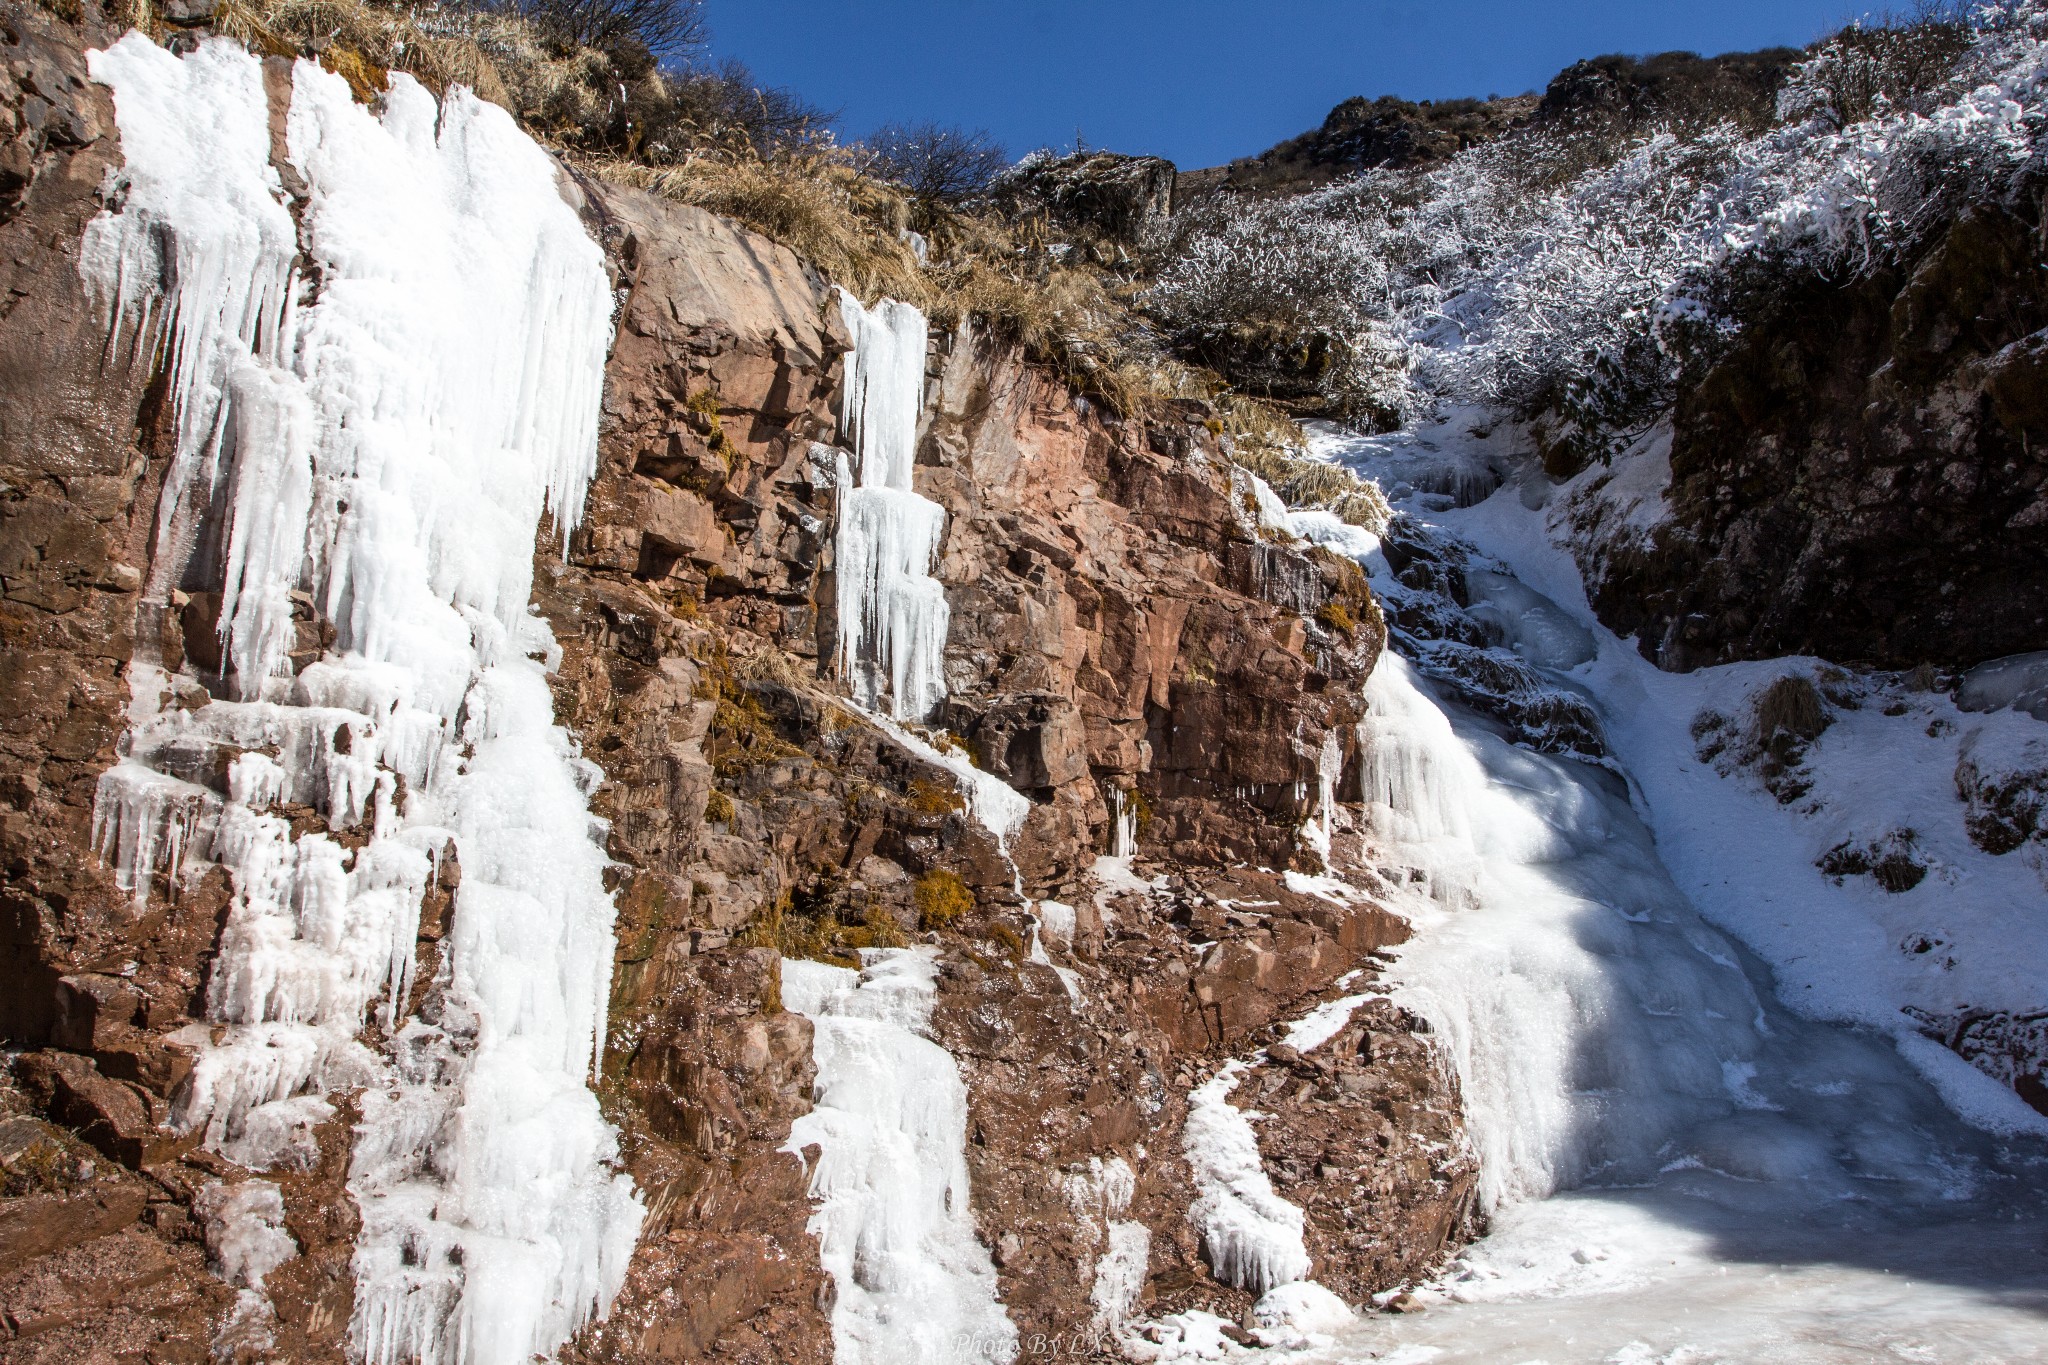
(895, 1227)
(387, 443)
(892, 612)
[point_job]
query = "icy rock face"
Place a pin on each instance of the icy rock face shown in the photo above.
(894, 1224)
(1251, 1235)
(892, 612)
(384, 446)
(1912, 538)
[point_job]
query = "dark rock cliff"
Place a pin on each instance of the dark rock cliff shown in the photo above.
(1857, 477)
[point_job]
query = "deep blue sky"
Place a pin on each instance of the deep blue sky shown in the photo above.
(1202, 81)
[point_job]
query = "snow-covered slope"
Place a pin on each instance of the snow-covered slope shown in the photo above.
(1696, 1147)
(1967, 936)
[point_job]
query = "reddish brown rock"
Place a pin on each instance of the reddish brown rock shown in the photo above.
(1119, 624)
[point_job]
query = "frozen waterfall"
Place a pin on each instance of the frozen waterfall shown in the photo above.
(383, 445)
(1677, 1166)
(892, 612)
(913, 1284)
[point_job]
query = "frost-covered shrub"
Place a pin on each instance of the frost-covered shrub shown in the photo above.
(1566, 322)
(1572, 274)
(1287, 296)
(1287, 261)
(1866, 70)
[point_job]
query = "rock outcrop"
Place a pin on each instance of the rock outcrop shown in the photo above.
(1104, 198)
(1125, 639)
(1362, 135)
(1857, 477)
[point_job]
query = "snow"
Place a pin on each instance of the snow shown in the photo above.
(2019, 681)
(1056, 922)
(1120, 1273)
(1525, 274)
(387, 445)
(894, 1223)
(892, 613)
(1251, 1237)
(1322, 1023)
(244, 1227)
(1325, 528)
(1192, 1335)
(1100, 1195)
(1839, 952)
(1269, 513)
(1299, 1315)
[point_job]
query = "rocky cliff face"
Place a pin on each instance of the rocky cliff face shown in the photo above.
(1857, 477)
(1125, 638)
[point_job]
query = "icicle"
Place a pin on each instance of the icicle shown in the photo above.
(144, 821)
(202, 221)
(894, 1224)
(892, 613)
(388, 448)
(1318, 832)
(1123, 824)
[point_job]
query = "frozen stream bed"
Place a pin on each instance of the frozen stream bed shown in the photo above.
(1711, 1129)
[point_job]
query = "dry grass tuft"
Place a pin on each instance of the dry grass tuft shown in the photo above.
(941, 899)
(1791, 706)
(1271, 445)
(838, 221)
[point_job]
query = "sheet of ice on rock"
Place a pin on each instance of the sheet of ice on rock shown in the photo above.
(912, 1283)
(893, 615)
(378, 426)
(1679, 1167)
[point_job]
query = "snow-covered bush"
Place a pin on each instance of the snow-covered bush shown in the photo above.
(1572, 276)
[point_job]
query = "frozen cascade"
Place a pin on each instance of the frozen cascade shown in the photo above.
(389, 445)
(1100, 1197)
(1251, 1236)
(197, 269)
(1123, 826)
(914, 1285)
(1677, 1166)
(892, 612)
(1318, 832)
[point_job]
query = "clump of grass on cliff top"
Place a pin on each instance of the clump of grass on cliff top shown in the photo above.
(855, 230)
(498, 55)
(846, 225)
(1272, 445)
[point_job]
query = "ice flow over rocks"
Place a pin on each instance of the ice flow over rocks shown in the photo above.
(381, 448)
(892, 612)
(1677, 1166)
(913, 1285)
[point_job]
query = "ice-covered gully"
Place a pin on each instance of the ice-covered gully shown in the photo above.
(380, 387)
